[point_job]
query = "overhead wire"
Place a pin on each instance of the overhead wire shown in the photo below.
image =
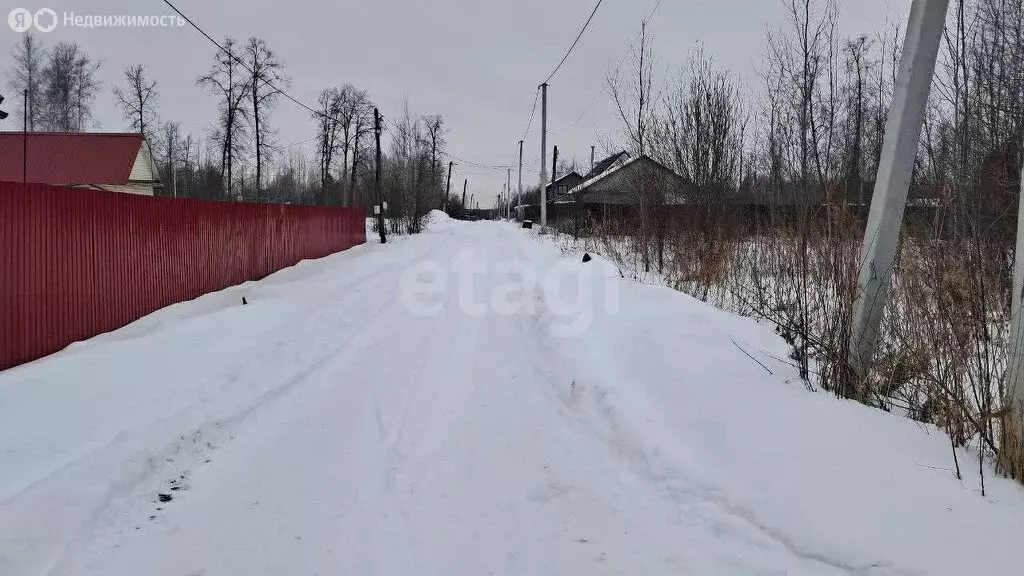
(277, 89)
(618, 65)
(576, 41)
(242, 63)
(533, 113)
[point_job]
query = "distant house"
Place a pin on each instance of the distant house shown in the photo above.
(562, 186)
(624, 181)
(111, 162)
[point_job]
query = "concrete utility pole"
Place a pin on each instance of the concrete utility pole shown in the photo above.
(902, 135)
(543, 158)
(448, 188)
(1011, 455)
(519, 196)
(380, 193)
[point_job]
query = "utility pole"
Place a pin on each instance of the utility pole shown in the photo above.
(554, 170)
(543, 158)
(464, 184)
(1011, 453)
(24, 140)
(902, 135)
(519, 196)
(508, 189)
(380, 193)
(591, 158)
(448, 188)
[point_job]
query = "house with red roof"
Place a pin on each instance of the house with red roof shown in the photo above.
(111, 162)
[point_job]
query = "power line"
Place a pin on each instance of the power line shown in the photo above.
(244, 65)
(572, 124)
(318, 113)
(299, 143)
(464, 162)
(580, 35)
(618, 65)
(536, 97)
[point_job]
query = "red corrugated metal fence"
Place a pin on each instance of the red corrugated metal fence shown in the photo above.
(75, 263)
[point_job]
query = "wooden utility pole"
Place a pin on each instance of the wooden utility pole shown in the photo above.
(380, 193)
(591, 158)
(448, 188)
(902, 136)
(519, 197)
(464, 184)
(554, 169)
(543, 158)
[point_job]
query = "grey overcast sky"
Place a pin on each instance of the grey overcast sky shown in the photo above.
(476, 62)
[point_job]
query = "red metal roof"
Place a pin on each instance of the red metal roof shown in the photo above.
(69, 158)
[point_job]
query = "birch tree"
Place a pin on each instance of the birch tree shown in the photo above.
(26, 76)
(137, 99)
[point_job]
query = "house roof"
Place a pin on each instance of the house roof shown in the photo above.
(69, 158)
(605, 171)
(603, 166)
(580, 190)
(569, 176)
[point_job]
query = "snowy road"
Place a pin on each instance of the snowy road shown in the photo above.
(377, 413)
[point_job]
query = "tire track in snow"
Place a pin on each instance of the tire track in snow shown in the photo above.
(219, 427)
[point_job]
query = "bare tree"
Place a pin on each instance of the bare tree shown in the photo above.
(356, 125)
(633, 95)
(189, 156)
(228, 81)
(265, 82)
(857, 70)
(699, 132)
(27, 75)
(137, 99)
(86, 87)
(70, 84)
(435, 128)
(171, 147)
(328, 123)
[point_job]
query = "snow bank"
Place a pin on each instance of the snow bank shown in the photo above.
(709, 407)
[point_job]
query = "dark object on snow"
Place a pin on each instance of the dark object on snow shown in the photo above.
(528, 224)
(586, 258)
(244, 301)
(165, 497)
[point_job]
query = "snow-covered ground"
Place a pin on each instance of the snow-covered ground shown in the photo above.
(419, 408)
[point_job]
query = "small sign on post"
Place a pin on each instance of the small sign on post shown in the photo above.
(376, 209)
(385, 206)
